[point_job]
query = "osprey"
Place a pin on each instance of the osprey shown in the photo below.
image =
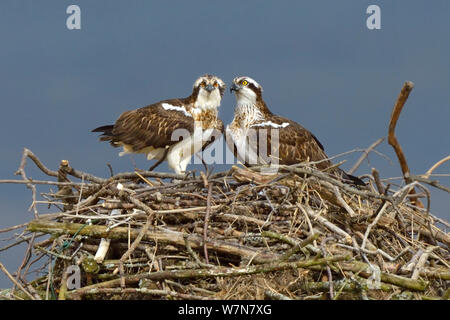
(156, 129)
(257, 136)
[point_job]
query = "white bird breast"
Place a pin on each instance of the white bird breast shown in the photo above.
(245, 152)
(180, 154)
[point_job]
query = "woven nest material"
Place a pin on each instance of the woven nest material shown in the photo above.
(241, 234)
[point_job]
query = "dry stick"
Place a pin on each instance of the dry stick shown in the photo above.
(205, 227)
(144, 179)
(103, 247)
(29, 154)
(56, 183)
(378, 183)
(342, 201)
(437, 164)
(422, 260)
(330, 277)
(343, 285)
(39, 257)
(429, 218)
(23, 239)
(89, 177)
(14, 227)
(275, 295)
(193, 254)
(365, 155)
(63, 287)
(327, 224)
(433, 183)
(409, 266)
(152, 292)
(398, 196)
(2, 267)
(325, 178)
(216, 272)
(26, 258)
(166, 235)
(364, 270)
(21, 171)
(392, 139)
(133, 247)
(296, 245)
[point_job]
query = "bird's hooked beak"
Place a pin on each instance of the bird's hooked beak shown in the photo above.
(234, 87)
(209, 88)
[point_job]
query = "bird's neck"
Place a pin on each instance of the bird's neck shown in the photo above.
(207, 101)
(203, 108)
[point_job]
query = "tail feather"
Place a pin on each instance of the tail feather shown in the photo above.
(105, 129)
(352, 179)
(107, 134)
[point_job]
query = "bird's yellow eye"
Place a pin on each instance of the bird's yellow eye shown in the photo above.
(202, 84)
(244, 82)
(216, 84)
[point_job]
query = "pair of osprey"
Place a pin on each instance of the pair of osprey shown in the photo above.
(150, 130)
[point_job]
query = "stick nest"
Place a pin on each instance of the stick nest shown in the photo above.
(240, 234)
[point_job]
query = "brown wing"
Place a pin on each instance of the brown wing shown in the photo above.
(151, 126)
(296, 144)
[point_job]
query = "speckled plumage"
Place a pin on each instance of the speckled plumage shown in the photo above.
(152, 129)
(287, 141)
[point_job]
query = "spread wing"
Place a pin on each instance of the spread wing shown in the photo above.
(153, 126)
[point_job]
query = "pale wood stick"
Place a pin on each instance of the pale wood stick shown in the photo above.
(2, 267)
(365, 155)
(437, 164)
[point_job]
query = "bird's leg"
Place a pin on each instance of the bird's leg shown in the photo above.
(205, 165)
(166, 151)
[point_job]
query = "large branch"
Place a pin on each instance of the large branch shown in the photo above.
(122, 233)
(210, 273)
(392, 139)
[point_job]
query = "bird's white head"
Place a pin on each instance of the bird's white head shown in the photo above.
(208, 91)
(247, 90)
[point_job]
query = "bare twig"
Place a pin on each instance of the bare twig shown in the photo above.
(436, 165)
(2, 267)
(365, 155)
(205, 227)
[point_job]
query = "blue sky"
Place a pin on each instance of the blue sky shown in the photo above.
(317, 61)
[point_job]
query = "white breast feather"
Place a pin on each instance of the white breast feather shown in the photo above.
(180, 154)
(245, 151)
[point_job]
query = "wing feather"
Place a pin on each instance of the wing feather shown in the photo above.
(150, 126)
(296, 144)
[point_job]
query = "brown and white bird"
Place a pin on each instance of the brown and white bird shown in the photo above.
(156, 129)
(258, 137)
